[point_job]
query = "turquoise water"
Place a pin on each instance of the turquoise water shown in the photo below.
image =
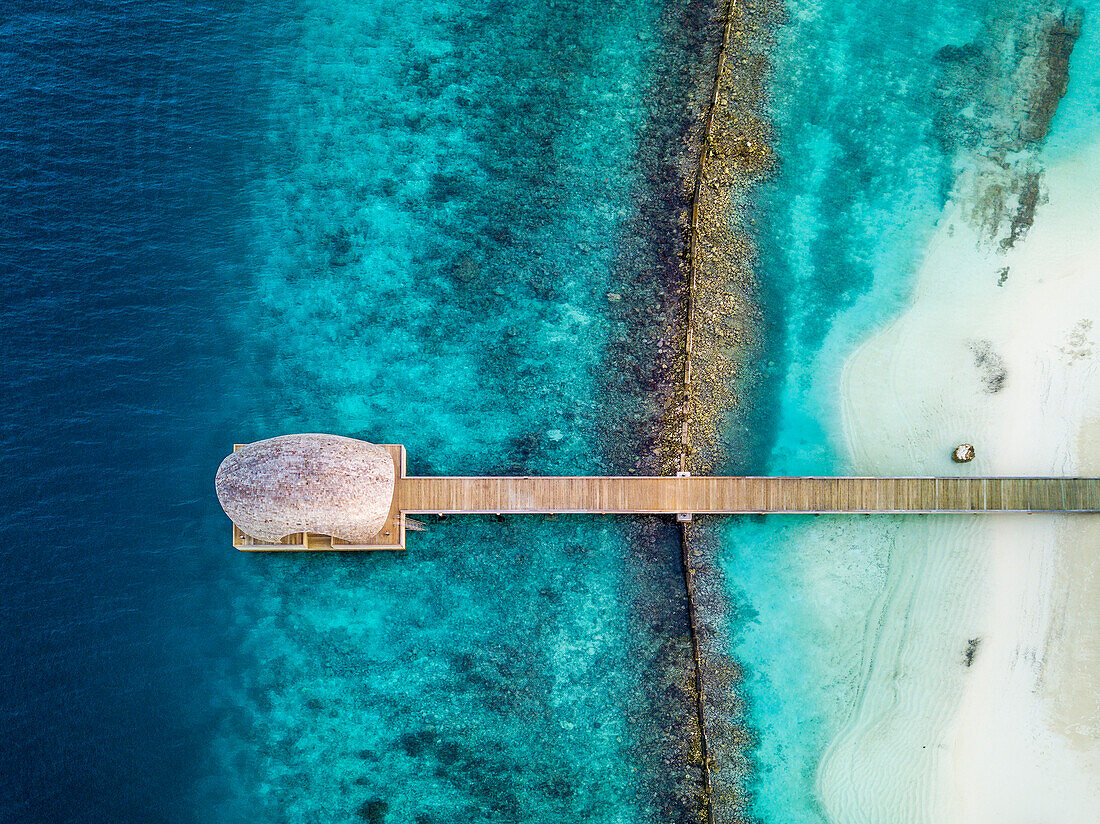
(439, 224)
(447, 199)
(425, 684)
(859, 190)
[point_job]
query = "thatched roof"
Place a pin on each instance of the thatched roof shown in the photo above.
(307, 483)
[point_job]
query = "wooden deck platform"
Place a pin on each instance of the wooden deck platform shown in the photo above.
(392, 535)
(645, 495)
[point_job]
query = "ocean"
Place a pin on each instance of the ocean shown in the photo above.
(454, 226)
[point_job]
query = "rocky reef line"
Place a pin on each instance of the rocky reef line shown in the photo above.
(722, 323)
(687, 334)
(684, 332)
(723, 317)
(646, 357)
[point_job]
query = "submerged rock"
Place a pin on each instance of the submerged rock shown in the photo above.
(307, 483)
(971, 651)
(964, 453)
(1058, 36)
(1027, 201)
(374, 811)
(991, 366)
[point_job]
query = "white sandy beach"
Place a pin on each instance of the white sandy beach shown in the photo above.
(1015, 736)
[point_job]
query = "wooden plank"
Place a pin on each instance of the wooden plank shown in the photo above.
(994, 495)
(1079, 495)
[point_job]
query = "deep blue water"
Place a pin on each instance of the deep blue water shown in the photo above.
(124, 133)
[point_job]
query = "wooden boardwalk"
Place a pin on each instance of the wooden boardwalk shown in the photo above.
(647, 495)
(719, 495)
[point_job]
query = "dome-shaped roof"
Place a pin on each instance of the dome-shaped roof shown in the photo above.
(307, 483)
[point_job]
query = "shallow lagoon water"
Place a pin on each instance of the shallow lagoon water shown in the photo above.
(842, 230)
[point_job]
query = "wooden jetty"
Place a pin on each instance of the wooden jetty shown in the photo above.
(685, 496)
